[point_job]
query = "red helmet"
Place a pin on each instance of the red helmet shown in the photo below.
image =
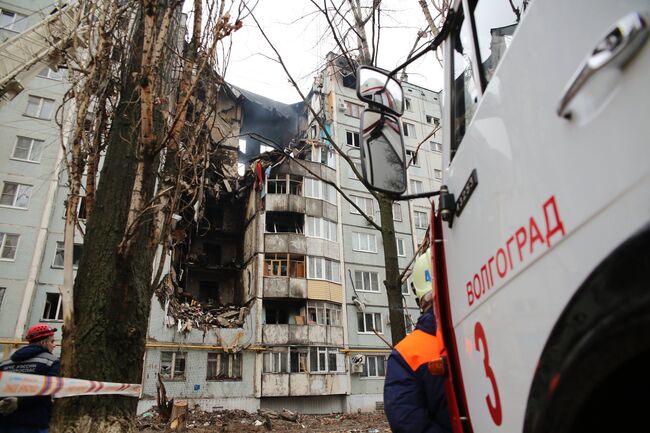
(39, 332)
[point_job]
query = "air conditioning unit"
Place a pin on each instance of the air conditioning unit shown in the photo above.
(356, 363)
(341, 106)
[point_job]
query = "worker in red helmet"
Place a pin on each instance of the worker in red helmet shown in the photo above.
(30, 414)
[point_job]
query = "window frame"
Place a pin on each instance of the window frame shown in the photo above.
(17, 17)
(3, 246)
(51, 74)
(41, 104)
(416, 186)
(323, 265)
(30, 150)
(275, 362)
(232, 359)
(361, 278)
(59, 251)
(365, 200)
(27, 191)
(401, 252)
(58, 311)
(412, 155)
(352, 109)
(437, 174)
(355, 139)
(377, 318)
(406, 126)
(356, 238)
(417, 218)
(376, 359)
(174, 376)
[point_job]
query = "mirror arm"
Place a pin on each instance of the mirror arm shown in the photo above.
(420, 195)
(450, 21)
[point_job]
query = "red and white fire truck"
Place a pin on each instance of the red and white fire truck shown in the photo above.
(541, 238)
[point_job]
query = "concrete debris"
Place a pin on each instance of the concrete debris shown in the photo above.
(194, 315)
(268, 420)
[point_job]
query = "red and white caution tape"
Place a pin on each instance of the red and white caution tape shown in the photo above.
(28, 385)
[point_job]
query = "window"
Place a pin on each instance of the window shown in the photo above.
(317, 189)
(51, 74)
(297, 360)
(323, 313)
(321, 268)
(39, 107)
(223, 366)
(375, 366)
(52, 310)
(172, 365)
(436, 147)
(320, 228)
(408, 323)
(366, 242)
(409, 130)
(275, 362)
(433, 120)
(2, 294)
(58, 255)
(416, 186)
(408, 106)
(353, 110)
(397, 212)
(321, 153)
(284, 184)
(401, 251)
(284, 222)
(369, 321)
(366, 281)
(465, 87)
(81, 208)
(28, 149)
(405, 287)
(8, 246)
(421, 220)
(284, 265)
(15, 195)
(13, 21)
(365, 204)
(412, 157)
(352, 138)
(437, 173)
(325, 359)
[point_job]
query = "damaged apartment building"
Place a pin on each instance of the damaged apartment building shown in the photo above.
(278, 296)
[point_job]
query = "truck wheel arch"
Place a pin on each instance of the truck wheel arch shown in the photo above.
(598, 354)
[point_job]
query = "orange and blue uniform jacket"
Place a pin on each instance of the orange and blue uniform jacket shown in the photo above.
(414, 399)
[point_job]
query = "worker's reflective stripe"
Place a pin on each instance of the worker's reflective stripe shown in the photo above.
(419, 348)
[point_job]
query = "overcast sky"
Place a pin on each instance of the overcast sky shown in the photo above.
(294, 29)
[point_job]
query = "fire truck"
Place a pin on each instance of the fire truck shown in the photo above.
(541, 234)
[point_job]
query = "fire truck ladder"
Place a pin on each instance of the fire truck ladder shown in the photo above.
(43, 42)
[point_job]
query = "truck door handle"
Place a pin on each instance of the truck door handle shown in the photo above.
(616, 49)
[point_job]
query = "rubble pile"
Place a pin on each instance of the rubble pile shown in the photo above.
(194, 315)
(265, 420)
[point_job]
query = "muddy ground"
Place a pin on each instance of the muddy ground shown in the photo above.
(244, 422)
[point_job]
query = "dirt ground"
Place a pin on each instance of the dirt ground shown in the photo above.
(244, 422)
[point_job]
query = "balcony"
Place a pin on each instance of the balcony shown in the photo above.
(285, 334)
(285, 287)
(303, 384)
(294, 243)
(285, 203)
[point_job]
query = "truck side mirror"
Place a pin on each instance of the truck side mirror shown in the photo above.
(382, 152)
(375, 88)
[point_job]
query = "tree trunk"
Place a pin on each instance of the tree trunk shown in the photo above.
(391, 265)
(112, 293)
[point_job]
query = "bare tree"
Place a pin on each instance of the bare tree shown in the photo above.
(133, 61)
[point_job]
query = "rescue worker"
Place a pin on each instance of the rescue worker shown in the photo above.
(414, 399)
(30, 414)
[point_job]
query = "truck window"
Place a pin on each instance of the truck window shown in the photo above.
(495, 25)
(465, 91)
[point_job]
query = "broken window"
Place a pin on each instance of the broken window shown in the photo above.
(275, 362)
(224, 366)
(284, 312)
(211, 254)
(214, 217)
(284, 222)
(284, 265)
(77, 250)
(323, 313)
(209, 291)
(297, 360)
(172, 365)
(285, 184)
(52, 310)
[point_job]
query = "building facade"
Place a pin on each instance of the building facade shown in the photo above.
(274, 296)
